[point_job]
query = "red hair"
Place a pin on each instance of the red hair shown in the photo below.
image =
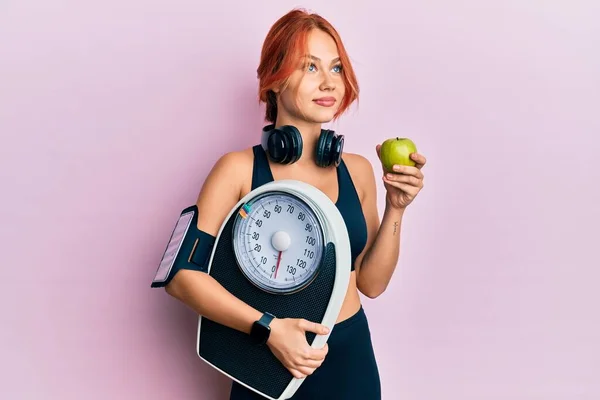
(285, 42)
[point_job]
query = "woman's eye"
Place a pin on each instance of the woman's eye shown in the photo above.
(312, 68)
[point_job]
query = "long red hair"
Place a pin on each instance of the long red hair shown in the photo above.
(285, 42)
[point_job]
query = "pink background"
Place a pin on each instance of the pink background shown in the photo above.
(112, 113)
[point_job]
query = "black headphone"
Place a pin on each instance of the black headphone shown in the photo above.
(284, 145)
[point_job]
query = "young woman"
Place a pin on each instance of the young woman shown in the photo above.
(306, 79)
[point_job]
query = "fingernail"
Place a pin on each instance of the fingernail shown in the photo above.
(397, 168)
(389, 176)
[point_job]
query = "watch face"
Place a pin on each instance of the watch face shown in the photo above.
(260, 333)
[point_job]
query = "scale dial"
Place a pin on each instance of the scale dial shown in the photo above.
(278, 242)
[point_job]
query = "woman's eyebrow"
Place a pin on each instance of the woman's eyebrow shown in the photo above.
(318, 59)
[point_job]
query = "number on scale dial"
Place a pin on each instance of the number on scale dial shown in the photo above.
(278, 242)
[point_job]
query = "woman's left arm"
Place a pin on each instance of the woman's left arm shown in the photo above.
(377, 263)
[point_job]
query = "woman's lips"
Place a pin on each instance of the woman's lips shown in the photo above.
(325, 101)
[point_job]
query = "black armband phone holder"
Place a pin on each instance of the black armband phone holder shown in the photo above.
(188, 248)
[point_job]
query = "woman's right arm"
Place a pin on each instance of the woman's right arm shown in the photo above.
(207, 297)
(198, 290)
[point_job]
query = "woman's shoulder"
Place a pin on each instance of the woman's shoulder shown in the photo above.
(222, 187)
(235, 163)
(361, 172)
(241, 157)
(234, 168)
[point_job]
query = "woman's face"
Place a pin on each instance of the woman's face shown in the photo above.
(316, 88)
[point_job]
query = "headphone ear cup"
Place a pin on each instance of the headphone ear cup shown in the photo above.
(324, 148)
(285, 145)
(296, 143)
(337, 150)
(277, 146)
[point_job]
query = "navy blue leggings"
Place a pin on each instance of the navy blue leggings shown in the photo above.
(348, 372)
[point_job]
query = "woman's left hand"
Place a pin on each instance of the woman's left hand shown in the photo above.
(405, 183)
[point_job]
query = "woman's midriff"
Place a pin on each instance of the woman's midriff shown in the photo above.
(351, 304)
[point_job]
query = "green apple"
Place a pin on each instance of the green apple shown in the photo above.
(397, 151)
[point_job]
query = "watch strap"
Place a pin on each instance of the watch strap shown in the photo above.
(266, 319)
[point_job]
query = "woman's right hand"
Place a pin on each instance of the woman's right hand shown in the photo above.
(288, 343)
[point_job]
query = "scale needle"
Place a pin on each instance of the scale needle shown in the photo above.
(278, 261)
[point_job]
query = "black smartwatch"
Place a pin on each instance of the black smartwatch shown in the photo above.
(261, 330)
